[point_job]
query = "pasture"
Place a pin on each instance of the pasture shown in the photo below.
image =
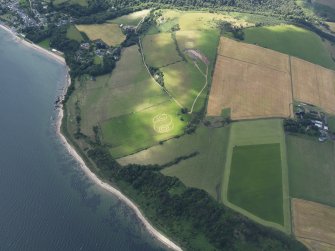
(264, 178)
(133, 132)
(314, 224)
(243, 82)
(184, 81)
(131, 19)
(203, 171)
(128, 89)
(111, 34)
(313, 84)
(74, 34)
(83, 3)
(160, 50)
(311, 169)
(331, 26)
(292, 40)
(255, 182)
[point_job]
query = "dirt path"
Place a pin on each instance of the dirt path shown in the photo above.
(206, 83)
(146, 66)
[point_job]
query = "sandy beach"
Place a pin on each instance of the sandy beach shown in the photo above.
(154, 232)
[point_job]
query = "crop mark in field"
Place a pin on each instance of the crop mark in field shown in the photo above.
(163, 123)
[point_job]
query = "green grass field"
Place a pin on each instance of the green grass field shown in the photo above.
(111, 34)
(291, 40)
(79, 2)
(203, 171)
(248, 136)
(311, 169)
(184, 81)
(131, 19)
(160, 50)
(255, 182)
(130, 133)
(74, 34)
(128, 89)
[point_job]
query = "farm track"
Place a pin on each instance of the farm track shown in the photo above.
(206, 83)
(146, 66)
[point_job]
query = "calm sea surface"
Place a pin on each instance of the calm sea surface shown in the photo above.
(46, 202)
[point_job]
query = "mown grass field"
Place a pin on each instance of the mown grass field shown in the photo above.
(311, 169)
(291, 40)
(130, 133)
(128, 89)
(268, 189)
(160, 50)
(203, 171)
(255, 182)
(131, 19)
(74, 34)
(110, 33)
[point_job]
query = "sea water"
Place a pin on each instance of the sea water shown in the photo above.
(46, 201)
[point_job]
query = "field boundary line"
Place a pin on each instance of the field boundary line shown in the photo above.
(261, 65)
(146, 66)
(330, 244)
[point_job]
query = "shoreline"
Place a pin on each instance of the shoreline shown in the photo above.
(152, 231)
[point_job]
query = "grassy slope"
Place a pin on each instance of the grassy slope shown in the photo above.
(203, 171)
(160, 50)
(131, 19)
(259, 132)
(291, 40)
(129, 89)
(311, 169)
(133, 132)
(255, 182)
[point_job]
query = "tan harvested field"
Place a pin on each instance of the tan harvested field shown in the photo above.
(111, 34)
(313, 84)
(314, 224)
(244, 81)
(253, 54)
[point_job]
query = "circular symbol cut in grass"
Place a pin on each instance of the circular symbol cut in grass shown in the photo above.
(163, 123)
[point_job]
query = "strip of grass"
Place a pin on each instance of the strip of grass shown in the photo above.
(255, 182)
(291, 40)
(311, 169)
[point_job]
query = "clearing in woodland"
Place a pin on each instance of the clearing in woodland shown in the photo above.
(314, 224)
(110, 33)
(243, 82)
(131, 19)
(256, 170)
